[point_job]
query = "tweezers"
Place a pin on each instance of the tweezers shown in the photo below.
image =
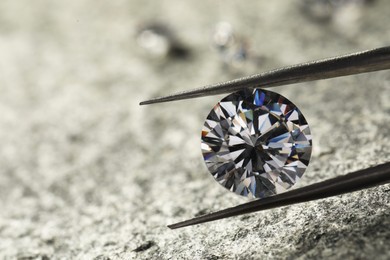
(350, 64)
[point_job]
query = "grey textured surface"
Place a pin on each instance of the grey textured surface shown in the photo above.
(87, 173)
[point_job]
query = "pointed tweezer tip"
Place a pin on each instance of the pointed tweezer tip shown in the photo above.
(201, 219)
(155, 100)
(183, 224)
(171, 226)
(147, 102)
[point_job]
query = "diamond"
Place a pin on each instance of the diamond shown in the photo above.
(256, 143)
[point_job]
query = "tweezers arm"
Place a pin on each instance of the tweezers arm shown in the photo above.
(361, 62)
(350, 64)
(344, 184)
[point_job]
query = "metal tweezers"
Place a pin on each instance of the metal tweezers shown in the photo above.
(350, 64)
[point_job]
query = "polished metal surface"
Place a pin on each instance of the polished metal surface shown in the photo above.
(350, 64)
(350, 182)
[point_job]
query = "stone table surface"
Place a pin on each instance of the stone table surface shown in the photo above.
(86, 173)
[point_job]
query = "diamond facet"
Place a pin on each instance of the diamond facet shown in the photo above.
(256, 143)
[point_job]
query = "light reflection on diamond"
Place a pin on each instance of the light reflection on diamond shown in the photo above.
(256, 143)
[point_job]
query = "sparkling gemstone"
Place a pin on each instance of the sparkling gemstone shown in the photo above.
(256, 143)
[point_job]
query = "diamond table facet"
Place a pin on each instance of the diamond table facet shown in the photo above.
(256, 143)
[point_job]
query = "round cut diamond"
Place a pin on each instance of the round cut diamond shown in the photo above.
(256, 143)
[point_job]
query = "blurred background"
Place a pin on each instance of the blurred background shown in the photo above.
(86, 173)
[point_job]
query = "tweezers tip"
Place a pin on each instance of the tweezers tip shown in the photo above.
(171, 226)
(185, 223)
(154, 101)
(148, 102)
